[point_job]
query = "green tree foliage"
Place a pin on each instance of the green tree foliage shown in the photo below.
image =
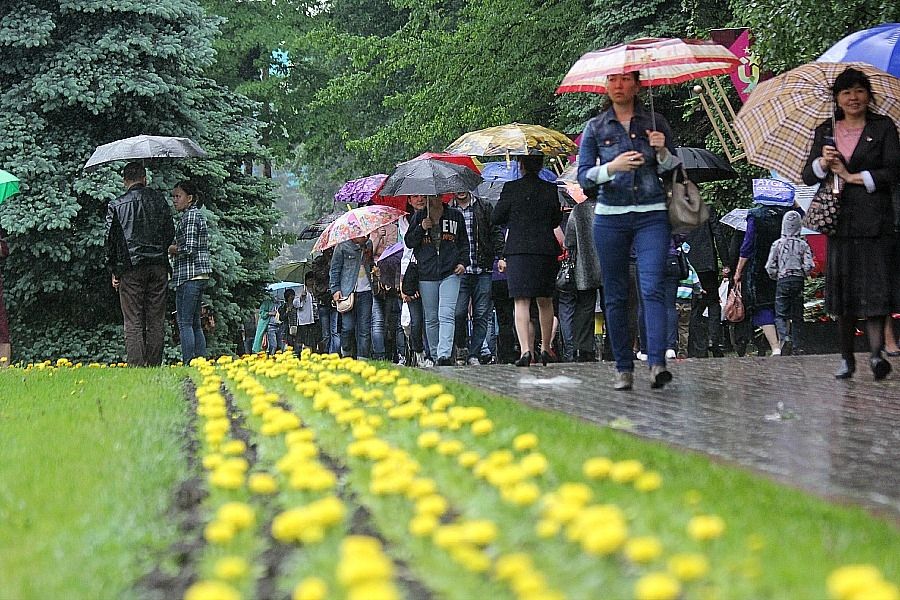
(79, 73)
(788, 34)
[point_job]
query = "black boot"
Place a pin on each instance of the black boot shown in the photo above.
(880, 367)
(846, 369)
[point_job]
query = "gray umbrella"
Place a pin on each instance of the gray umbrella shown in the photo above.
(702, 165)
(144, 147)
(429, 177)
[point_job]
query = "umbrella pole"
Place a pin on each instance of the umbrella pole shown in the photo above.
(652, 112)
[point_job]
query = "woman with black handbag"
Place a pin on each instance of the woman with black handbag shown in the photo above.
(861, 150)
(586, 275)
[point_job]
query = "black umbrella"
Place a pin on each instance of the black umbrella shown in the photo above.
(315, 229)
(429, 177)
(702, 165)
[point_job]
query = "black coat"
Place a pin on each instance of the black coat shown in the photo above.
(863, 214)
(530, 209)
(708, 245)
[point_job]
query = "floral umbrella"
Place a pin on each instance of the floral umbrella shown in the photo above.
(514, 139)
(360, 191)
(776, 123)
(358, 222)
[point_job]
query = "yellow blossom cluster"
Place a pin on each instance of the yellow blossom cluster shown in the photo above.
(364, 570)
(860, 582)
(518, 571)
(307, 524)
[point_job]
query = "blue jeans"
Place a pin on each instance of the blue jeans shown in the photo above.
(187, 306)
(358, 321)
(331, 338)
(439, 306)
(649, 234)
(789, 308)
(378, 315)
(476, 288)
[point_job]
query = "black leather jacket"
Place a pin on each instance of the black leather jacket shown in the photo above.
(139, 230)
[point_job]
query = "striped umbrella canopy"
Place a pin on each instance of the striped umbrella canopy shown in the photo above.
(514, 139)
(9, 185)
(358, 222)
(777, 122)
(660, 61)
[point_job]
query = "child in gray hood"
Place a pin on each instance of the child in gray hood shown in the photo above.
(790, 261)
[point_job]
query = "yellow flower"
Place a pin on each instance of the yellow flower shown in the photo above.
(422, 525)
(434, 504)
(845, 582)
(878, 590)
(525, 441)
(626, 471)
(648, 482)
(605, 538)
(546, 528)
(479, 532)
(311, 588)
(374, 590)
(482, 427)
(688, 567)
(534, 464)
(450, 447)
(643, 549)
(512, 565)
(230, 567)
(468, 459)
(219, 532)
(657, 586)
(211, 590)
(237, 513)
(211, 461)
(234, 447)
(262, 483)
(706, 527)
(597, 468)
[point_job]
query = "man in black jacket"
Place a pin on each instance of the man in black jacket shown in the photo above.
(707, 249)
(139, 229)
(485, 244)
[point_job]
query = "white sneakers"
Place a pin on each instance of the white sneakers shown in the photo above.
(473, 362)
(670, 353)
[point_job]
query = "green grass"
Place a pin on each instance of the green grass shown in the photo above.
(89, 463)
(780, 543)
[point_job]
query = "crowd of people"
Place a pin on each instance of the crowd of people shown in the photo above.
(466, 282)
(470, 274)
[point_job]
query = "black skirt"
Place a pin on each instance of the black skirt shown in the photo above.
(861, 276)
(531, 275)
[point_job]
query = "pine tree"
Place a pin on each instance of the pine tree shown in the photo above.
(75, 74)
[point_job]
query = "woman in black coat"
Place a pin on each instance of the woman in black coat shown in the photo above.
(862, 149)
(530, 208)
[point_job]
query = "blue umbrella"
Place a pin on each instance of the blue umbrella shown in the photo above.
(495, 174)
(878, 46)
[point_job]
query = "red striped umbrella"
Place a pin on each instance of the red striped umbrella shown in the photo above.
(660, 61)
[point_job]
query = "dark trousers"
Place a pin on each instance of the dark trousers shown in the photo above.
(142, 295)
(585, 302)
(568, 331)
(506, 339)
(789, 309)
(705, 332)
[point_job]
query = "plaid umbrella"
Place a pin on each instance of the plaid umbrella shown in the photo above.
(513, 140)
(358, 222)
(777, 122)
(659, 61)
(360, 191)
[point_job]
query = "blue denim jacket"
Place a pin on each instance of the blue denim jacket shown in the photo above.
(344, 271)
(604, 138)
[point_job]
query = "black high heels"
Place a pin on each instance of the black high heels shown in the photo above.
(880, 367)
(548, 356)
(525, 360)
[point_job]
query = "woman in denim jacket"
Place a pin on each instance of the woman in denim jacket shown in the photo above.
(623, 151)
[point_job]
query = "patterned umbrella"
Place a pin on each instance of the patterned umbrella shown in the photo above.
(358, 222)
(9, 185)
(514, 139)
(878, 46)
(659, 61)
(360, 191)
(777, 122)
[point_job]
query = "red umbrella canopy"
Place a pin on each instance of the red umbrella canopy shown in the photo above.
(399, 202)
(660, 61)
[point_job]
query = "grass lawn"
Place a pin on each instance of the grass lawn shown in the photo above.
(89, 461)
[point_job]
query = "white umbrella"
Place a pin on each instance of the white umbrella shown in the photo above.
(144, 147)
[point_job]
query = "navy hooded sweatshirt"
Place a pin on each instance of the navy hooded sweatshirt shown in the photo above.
(440, 249)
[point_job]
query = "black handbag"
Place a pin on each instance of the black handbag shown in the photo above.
(409, 284)
(565, 277)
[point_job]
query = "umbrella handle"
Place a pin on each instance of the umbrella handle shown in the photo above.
(652, 112)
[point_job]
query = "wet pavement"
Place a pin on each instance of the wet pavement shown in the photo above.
(785, 417)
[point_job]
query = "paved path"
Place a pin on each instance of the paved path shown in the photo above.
(786, 417)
